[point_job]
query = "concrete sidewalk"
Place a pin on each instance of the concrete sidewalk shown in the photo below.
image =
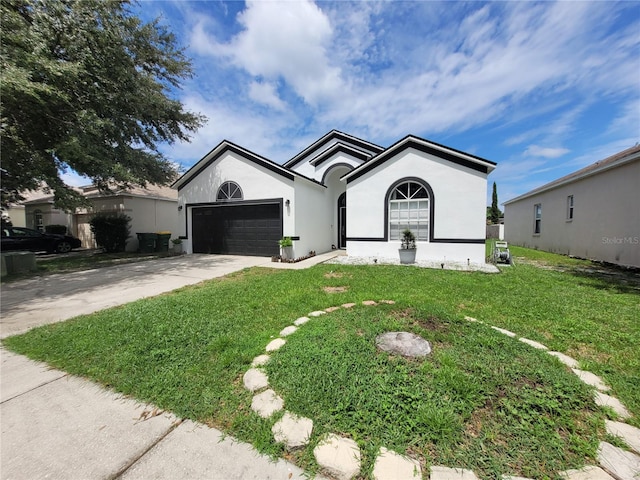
(62, 427)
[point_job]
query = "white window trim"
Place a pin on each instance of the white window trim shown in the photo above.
(570, 208)
(537, 219)
(413, 224)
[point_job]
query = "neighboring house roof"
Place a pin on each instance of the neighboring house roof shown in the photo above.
(616, 160)
(226, 146)
(447, 153)
(32, 197)
(36, 197)
(157, 192)
(346, 139)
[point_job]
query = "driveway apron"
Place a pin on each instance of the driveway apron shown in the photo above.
(58, 426)
(53, 298)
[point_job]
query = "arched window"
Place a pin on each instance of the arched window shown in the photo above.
(409, 208)
(229, 191)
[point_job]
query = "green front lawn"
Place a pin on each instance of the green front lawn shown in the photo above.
(481, 400)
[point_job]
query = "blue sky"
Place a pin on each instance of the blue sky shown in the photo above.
(542, 89)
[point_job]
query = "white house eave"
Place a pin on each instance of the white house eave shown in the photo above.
(557, 184)
(401, 145)
(224, 145)
(195, 169)
(489, 165)
(366, 145)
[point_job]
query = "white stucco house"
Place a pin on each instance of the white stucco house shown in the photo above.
(340, 192)
(592, 213)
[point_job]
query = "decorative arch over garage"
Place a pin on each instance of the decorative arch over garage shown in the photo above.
(229, 191)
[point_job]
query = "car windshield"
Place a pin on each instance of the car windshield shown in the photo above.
(25, 232)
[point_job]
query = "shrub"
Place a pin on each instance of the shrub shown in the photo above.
(286, 242)
(57, 229)
(408, 239)
(111, 231)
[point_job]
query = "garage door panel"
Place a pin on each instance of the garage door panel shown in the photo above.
(237, 229)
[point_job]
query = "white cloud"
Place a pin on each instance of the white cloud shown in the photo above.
(545, 152)
(498, 57)
(487, 70)
(286, 40)
(528, 76)
(266, 94)
(263, 133)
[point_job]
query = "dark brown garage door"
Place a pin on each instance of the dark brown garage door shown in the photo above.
(238, 229)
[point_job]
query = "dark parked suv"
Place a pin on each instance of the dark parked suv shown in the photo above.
(18, 238)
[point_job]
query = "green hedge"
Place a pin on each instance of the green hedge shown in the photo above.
(111, 231)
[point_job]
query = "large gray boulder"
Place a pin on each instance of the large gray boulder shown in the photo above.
(403, 343)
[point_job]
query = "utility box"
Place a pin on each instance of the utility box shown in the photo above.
(162, 242)
(147, 242)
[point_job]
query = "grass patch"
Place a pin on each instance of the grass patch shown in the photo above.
(187, 351)
(481, 400)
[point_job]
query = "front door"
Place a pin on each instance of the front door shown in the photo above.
(342, 220)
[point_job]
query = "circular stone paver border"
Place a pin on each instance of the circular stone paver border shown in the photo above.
(341, 456)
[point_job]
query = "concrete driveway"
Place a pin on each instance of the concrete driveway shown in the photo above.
(58, 426)
(52, 298)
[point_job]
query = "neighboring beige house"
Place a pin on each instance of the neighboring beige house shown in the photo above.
(593, 213)
(15, 213)
(38, 211)
(151, 209)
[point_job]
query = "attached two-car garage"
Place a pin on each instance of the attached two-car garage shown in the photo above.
(237, 229)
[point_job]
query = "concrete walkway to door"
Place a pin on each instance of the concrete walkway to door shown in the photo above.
(58, 426)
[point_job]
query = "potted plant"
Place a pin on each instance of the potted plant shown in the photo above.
(177, 245)
(407, 247)
(286, 245)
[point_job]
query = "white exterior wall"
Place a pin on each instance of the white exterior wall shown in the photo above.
(459, 208)
(605, 225)
(303, 167)
(317, 213)
(335, 188)
(312, 219)
(256, 182)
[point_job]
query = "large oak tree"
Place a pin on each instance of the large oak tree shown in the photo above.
(87, 85)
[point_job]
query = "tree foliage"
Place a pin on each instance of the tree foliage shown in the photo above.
(494, 212)
(86, 85)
